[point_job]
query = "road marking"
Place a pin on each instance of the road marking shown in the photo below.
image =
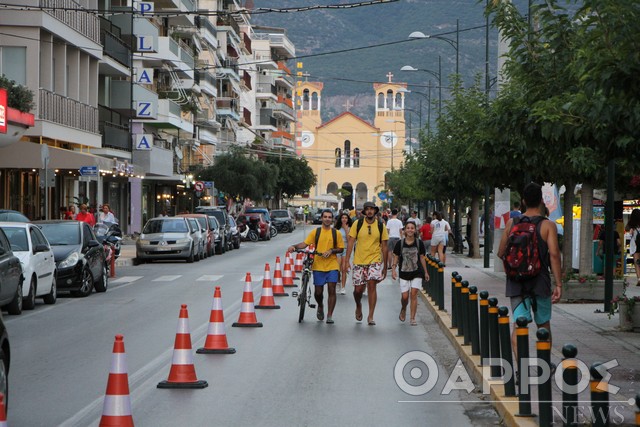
(126, 279)
(253, 278)
(167, 278)
(209, 278)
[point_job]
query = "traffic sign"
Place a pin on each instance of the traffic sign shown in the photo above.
(88, 171)
(198, 186)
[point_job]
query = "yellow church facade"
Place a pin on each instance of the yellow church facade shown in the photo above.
(351, 153)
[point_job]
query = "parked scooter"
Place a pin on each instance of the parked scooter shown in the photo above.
(249, 232)
(110, 235)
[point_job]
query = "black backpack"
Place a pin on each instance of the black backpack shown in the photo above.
(361, 223)
(522, 256)
(334, 234)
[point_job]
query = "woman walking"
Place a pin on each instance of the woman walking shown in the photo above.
(409, 255)
(439, 229)
(343, 224)
(633, 227)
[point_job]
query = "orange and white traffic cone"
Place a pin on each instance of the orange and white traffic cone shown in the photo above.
(3, 412)
(278, 286)
(289, 259)
(116, 411)
(287, 278)
(298, 266)
(266, 299)
(247, 317)
(183, 372)
(216, 342)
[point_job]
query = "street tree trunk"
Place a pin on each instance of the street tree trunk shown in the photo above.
(474, 239)
(586, 230)
(567, 240)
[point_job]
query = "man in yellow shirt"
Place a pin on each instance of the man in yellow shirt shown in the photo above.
(370, 258)
(328, 243)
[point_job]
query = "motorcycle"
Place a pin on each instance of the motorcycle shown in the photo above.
(249, 232)
(110, 235)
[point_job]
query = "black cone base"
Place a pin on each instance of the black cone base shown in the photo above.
(268, 306)
(247, 325)
(216, 351)
(281, 294)
(197, 384)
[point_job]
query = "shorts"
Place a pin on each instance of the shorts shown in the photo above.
(320, 278)
(362, 274)
(436, 240)
(520, 307)
(413, 284)
(427, 246)
(391, 244)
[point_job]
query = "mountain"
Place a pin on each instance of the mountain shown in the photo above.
(361, 30)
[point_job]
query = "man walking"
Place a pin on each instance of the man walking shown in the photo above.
(328, 244)
(415, 219)
(370, 258)
(394, 228)
(534, 293)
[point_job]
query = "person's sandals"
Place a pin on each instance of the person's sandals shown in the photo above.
(413, 322)
(320, 314)
(359, 314)
(403, 314)
(329, 320)
(371, 323)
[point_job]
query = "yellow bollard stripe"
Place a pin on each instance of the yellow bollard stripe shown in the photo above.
(493, 310)
(465, 290)
(522, 331)
(484, 302)
(473, 297)
(543, 345)
(570, 364)
(503, 320)
(458, 285)
(638, 418)
(597, 386)
(440, 270)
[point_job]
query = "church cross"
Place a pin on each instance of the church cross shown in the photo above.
(347, 105)
(390, 76)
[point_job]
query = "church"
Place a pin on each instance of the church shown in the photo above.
(350, 155)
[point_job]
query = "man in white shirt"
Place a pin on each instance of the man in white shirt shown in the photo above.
(414, 218)
(394, 227)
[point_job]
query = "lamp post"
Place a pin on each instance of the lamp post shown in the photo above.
(437, 75)
(453, 43)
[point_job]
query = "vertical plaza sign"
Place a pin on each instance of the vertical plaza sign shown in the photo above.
(3, 111)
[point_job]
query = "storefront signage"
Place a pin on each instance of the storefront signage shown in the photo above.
(144, 6)
(146, 110)
(3, 111)
(144, 76)
(144, 141)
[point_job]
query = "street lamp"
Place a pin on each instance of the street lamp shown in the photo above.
(187, 180)
(437, 75)
(453, 43)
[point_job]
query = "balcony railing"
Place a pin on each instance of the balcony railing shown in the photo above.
(115, 136)
(246, 116)
(246, 40)
(267, 88)
(115, 48)
(67, 112)
(267, 119)
(74, 15)
(228, 21)
(246, 79)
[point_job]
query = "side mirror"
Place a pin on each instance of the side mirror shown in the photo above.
(40, 248)
(93, 243)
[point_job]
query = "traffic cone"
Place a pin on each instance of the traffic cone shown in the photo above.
(278, 287)
(183, 372)
(247, 317)
(216, 342)
(298, 266)
(116, 410)
(266, 299)
(289, 259)
(287, 278)
(3, 412)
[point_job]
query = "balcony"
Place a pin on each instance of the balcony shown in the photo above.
(230, 67)
(284, 108)
(229, 23)
(266, 90)
(208, 32)
(284, 77)
(208, 83)
(68, 112)
(176, 54)
(246, 117)
(121, 99)
(86, 24)
(245, 44)
(170, 116)
(158, 160)
(282, 139)
(246, 80)
(227, 107)
(266, 120)
(115, 136)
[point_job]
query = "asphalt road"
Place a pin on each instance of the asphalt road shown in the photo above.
(285, 373)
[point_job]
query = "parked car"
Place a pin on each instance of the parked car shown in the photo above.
(235, 232)
(217, 232)
(223, 218)
(317, 217)
(8, 215)
(37, 259)
(80, 259)
(199, 237)
(11, 278)
(256, 219)
(5, 359)
(208, 226)
(166, 238)
(283, 220)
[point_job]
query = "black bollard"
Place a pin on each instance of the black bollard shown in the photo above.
(440, 300)
(494, 336)
(454, 309)
(569, 382)
(599, 397)
(484, 327)
(458, 299)
(506, 351)
(524, 393)
(464, 303)
(638, 411)
(543, 352)
(474, 329)
(432, 277)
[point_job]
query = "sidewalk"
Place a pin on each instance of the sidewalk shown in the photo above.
(596, 337)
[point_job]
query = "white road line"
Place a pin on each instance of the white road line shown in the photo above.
(167, 278)
(126, 279)
(209, 278)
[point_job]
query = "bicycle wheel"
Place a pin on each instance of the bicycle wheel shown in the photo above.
(302, 296)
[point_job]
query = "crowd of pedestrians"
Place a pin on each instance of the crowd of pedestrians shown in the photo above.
(104, 215)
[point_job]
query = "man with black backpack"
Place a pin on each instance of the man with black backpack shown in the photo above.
(326, 267)
(370, 258)
(529, 248)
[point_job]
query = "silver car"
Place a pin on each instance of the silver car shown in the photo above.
(167, 238)
(200, 237)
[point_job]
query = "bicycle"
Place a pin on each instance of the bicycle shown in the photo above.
(304, 296)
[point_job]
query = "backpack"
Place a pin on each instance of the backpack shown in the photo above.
(361, 223)
(522, 256)
(334, 233)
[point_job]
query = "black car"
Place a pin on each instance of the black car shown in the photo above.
(283, 220)
(235, 233)
(80, 258)
(5, 359)
(10, 278)
(223, 218)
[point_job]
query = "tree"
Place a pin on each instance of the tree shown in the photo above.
(295, 176)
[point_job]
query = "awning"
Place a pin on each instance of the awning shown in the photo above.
(323, 198)
(26, 155)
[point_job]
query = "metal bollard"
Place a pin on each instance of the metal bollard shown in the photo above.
(543, 352)
(570, 380)
(428, 284)
(474, 330)
(458, 299)
(112, 264)
(454, 309)
(440, 300)
(505, 349)
(494, 336)
(464, 311)
(638, 411)
(484, 326)
(524, 393)
(599, 397)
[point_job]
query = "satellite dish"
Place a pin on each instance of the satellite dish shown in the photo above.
(178, 152)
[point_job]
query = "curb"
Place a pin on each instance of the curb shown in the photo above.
(507, 407)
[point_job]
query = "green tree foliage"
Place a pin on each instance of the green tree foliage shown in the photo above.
(296, 176)
(19, 97)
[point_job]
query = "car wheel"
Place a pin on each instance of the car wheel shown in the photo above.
(4, 378)
(191, 257)
(15, 306)
(86, 286)
(103, 283)
(273, 232)
(52, 296)
(285, 228)
(236, 243)
(224, 246)
(29, 302)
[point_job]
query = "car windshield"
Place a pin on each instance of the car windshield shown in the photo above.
(213, 222)
(17, 237)
(218, 214)
(61, 234)
(203, 222)
(232, 221)
(165, 226)
(10, 216)
(279, 214)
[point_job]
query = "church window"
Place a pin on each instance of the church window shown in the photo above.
(315, 101)
(347, 154)
(356, 157)
(380, 100)
(305, 99)
(338, 157)
(390, 100)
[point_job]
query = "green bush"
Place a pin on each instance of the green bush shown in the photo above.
(20, 97)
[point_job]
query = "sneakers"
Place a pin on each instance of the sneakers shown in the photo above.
(343, 291)
(329, 320)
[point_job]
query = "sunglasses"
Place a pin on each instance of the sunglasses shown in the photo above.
(368, 226)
